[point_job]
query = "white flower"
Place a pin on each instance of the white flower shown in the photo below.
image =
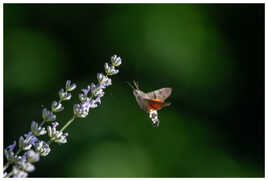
(37, 130)
(110, 70)
(18, 173)
(64, 95)
(32, 156)
(42, 148)
(116, 61)
(70, 87)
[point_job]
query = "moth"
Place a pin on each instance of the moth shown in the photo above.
(151, 102)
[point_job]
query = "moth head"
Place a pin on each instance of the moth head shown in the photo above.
(137, 92)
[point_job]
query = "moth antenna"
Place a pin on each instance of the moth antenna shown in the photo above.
(130, 85)
(136, 84)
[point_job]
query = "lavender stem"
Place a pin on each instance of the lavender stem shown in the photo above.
(68, 123)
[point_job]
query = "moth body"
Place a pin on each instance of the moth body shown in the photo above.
(152, 102)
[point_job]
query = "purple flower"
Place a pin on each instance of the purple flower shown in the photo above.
(85, 91)
(26, 144)
(23, 158)
(86, 105)
(56, 135)
(27, 135)
(9, 154)
(18, 173)
(81, 110)
(97, 90)
(102, 85)
(32, 139)
(25, 165)
(32, 156)
(98, 99)
(104, 81)
(11, 147)
(55, 124)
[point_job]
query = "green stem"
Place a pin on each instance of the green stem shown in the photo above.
(68, 123)
(43, 122)
(9, 174)
(63, 128)
(18, 151)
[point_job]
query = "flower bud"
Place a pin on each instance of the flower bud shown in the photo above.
(64, 95)
(116, 61)
(48, 115)
(23, 144)
(37, 130)
(18, 173)
(70, 87)
(56, 106)
(32, 156)
(110, 70)
(42, 148)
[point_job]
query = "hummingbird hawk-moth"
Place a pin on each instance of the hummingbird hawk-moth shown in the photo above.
(151, 102)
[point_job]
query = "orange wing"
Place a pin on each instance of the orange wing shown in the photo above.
(155, 104)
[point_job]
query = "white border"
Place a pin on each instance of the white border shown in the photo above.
(2, 85)
(265, 94)
(134, 1)
(118, 1)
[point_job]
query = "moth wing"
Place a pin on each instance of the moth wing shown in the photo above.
(161, 94)
(143, 104)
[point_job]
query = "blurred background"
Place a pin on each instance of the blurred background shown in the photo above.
(212, 55)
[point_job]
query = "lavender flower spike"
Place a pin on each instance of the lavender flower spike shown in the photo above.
(31, 145)
(97, 91)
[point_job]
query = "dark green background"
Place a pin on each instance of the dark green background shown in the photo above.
(212, 55)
